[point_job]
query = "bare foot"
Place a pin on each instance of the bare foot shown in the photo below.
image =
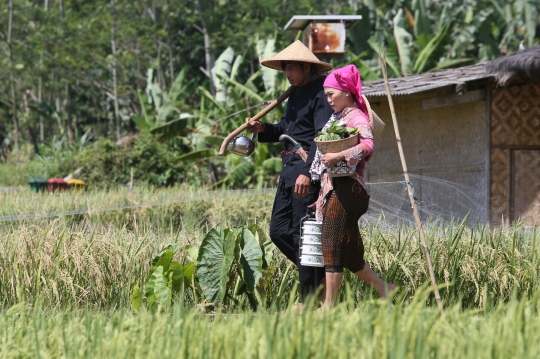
(386, 289)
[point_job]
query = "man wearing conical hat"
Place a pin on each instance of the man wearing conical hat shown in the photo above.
(307, 112)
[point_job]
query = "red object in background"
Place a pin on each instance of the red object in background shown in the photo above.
(56, 184)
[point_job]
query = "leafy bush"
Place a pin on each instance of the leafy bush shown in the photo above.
(336, 132)
(229, 263)
(105, 164)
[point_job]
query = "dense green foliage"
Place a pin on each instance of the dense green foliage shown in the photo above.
(98, 69)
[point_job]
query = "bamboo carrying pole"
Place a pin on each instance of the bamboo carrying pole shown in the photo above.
(425, 248)
(257, 117)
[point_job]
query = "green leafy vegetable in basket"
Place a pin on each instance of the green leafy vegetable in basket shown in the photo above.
(336, 132)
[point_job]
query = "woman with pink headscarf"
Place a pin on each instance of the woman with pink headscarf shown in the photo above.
(343, 200)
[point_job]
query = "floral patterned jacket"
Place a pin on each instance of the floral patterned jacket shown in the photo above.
(355, 157)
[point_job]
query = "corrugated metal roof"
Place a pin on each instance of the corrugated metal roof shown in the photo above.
(424, 82)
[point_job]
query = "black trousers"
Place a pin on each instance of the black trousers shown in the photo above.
(285, 233)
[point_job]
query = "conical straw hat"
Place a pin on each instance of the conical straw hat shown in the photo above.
(298, 52)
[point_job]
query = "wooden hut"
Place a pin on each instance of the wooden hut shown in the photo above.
(475, 128)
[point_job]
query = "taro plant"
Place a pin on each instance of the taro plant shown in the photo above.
(229, 265)
(167, 277)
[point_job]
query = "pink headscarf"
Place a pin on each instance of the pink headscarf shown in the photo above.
(347, 79)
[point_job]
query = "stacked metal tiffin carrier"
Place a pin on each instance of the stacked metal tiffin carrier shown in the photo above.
(311, 249)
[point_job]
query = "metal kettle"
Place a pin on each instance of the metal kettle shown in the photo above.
(242, 145)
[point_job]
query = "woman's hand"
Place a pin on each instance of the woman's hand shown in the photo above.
(330, 159)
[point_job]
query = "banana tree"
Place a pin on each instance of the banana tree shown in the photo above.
(158, 105)
(213, 119)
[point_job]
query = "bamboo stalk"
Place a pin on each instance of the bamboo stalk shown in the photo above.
(416, 215)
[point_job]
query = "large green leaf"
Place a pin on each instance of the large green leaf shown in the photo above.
(237, 175)
(177, 87)
(222, 67)
(157, 289)
(235, 67)
(162, 292)
(172, 128)
(267, 246)
(266, 50)
(164, 258)
(197, 155)
(530, 9)
(242, 89)
(216, 256)
(404, 43)
(392, 59)
(465, 37)
(141, 123)
(213, 140)
(181, 275)
(251, 258)
(209, 96)
(192, 252)
(431, 51)
(136, 298)
(447, 64)
(422, 25)
(164, 112)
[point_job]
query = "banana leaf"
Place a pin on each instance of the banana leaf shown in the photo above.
(197, 155)
(404, 44)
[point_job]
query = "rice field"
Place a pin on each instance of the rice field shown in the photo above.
(66, 284)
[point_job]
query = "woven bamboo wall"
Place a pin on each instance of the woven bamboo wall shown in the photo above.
(447, 143)
(515, 126)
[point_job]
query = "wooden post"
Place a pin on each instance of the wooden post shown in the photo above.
(425, 248)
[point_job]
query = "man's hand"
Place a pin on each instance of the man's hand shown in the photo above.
(330, 159)
(254, 126)
(301, 187)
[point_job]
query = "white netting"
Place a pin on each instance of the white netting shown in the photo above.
(437, 200)
(389, 204)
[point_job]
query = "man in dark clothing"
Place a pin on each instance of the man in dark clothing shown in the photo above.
(306, 114)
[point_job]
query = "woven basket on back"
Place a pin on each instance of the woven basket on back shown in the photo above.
(377, 125)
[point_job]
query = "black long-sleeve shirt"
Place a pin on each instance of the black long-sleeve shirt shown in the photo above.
(307, 113)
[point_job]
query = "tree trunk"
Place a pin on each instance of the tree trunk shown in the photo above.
(171, 64)
(160, 79)
(208, 56)
(69, 124)
(12, 80)
(115, 79)
(41, 124)
(28, 123)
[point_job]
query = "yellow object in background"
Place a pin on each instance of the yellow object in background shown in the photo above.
(76, 184)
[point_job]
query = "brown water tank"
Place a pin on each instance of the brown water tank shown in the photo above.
(325, 39)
